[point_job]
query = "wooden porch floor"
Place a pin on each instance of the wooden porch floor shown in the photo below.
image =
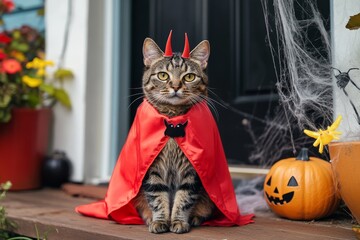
(52, 211)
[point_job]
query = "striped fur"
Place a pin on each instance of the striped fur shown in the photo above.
(172, 197)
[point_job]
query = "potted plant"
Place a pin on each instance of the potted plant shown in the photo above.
(27, 93)
(345, 154)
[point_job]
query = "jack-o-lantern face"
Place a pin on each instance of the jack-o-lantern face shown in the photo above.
(283, 198)
(301, 188)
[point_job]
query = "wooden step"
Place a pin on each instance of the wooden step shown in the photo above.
(52, 212)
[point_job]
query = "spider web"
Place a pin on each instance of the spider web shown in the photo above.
(304, 78)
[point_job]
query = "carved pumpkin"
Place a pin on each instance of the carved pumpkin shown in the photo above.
(301, 188)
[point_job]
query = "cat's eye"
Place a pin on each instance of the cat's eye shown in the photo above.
(163, 76)
(189, 77)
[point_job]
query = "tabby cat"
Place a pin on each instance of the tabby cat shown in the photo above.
(172, 197)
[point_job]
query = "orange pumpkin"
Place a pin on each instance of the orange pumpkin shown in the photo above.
(301, 188)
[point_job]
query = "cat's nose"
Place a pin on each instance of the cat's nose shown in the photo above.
(176, 85)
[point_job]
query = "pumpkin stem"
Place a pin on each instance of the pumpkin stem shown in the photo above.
(303, 155)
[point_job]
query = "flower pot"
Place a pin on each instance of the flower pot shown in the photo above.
(345, 158)
(23, 146)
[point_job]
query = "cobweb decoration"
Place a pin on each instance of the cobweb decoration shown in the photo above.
(304, 76)
(250, 195)
(274, 142)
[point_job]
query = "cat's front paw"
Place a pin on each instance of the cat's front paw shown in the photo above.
(196, 221)
(158, 227)
(178, 226)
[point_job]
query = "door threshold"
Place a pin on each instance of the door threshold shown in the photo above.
(247, 171)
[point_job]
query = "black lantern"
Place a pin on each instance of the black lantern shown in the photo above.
(56, 169)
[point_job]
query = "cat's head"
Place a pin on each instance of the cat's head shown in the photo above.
(175, 79)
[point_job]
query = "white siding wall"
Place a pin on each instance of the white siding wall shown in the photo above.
(346, 54)
(83, 132)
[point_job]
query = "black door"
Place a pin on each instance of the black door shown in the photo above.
(241, 71)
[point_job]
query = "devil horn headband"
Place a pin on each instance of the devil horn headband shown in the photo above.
(168, 48)
(186, 52)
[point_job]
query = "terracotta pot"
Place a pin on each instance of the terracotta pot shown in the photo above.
(345, 158)
(23, 147)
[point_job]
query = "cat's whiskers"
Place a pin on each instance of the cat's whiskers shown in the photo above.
(135, 94)
(220, 102)
(212, 101)
(136, 88)
(191, 100)
(162, 100)
(136, 99)
(197, 102)
(207, 101)
(154, 99)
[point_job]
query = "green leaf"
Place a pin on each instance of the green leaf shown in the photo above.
(6, 186)
(21, 238)
(63, 73)
(49, 89)
(7, 117)
(11, 88)
(16, 34)
(3, 78)
(354, 22)
(5, 100)
(62, 97)
(33, 99)
(22, 47)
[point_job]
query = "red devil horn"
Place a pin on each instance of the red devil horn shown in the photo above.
(186, 52)
(168, 49)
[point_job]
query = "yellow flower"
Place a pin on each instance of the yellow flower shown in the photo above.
(40, 65)
(31, 82)
(324, 137)
(40, 72)
(18, 55)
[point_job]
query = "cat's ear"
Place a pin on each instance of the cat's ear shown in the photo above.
(151, 52)
(201, 53)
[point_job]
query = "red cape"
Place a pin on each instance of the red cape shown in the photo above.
(201, 145)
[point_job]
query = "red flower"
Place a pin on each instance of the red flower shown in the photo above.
(4, 38)
(8, 5)
(2, 55)
(11, 66)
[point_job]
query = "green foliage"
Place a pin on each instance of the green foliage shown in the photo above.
(62, 97)
(24, 81)
(49, 89)
(7, 91)
(63, 74)
(5, 115)
(5, 223)
(3, 188)
(19, 46)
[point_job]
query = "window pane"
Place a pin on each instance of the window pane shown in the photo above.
(25, 13)
(28, 3)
